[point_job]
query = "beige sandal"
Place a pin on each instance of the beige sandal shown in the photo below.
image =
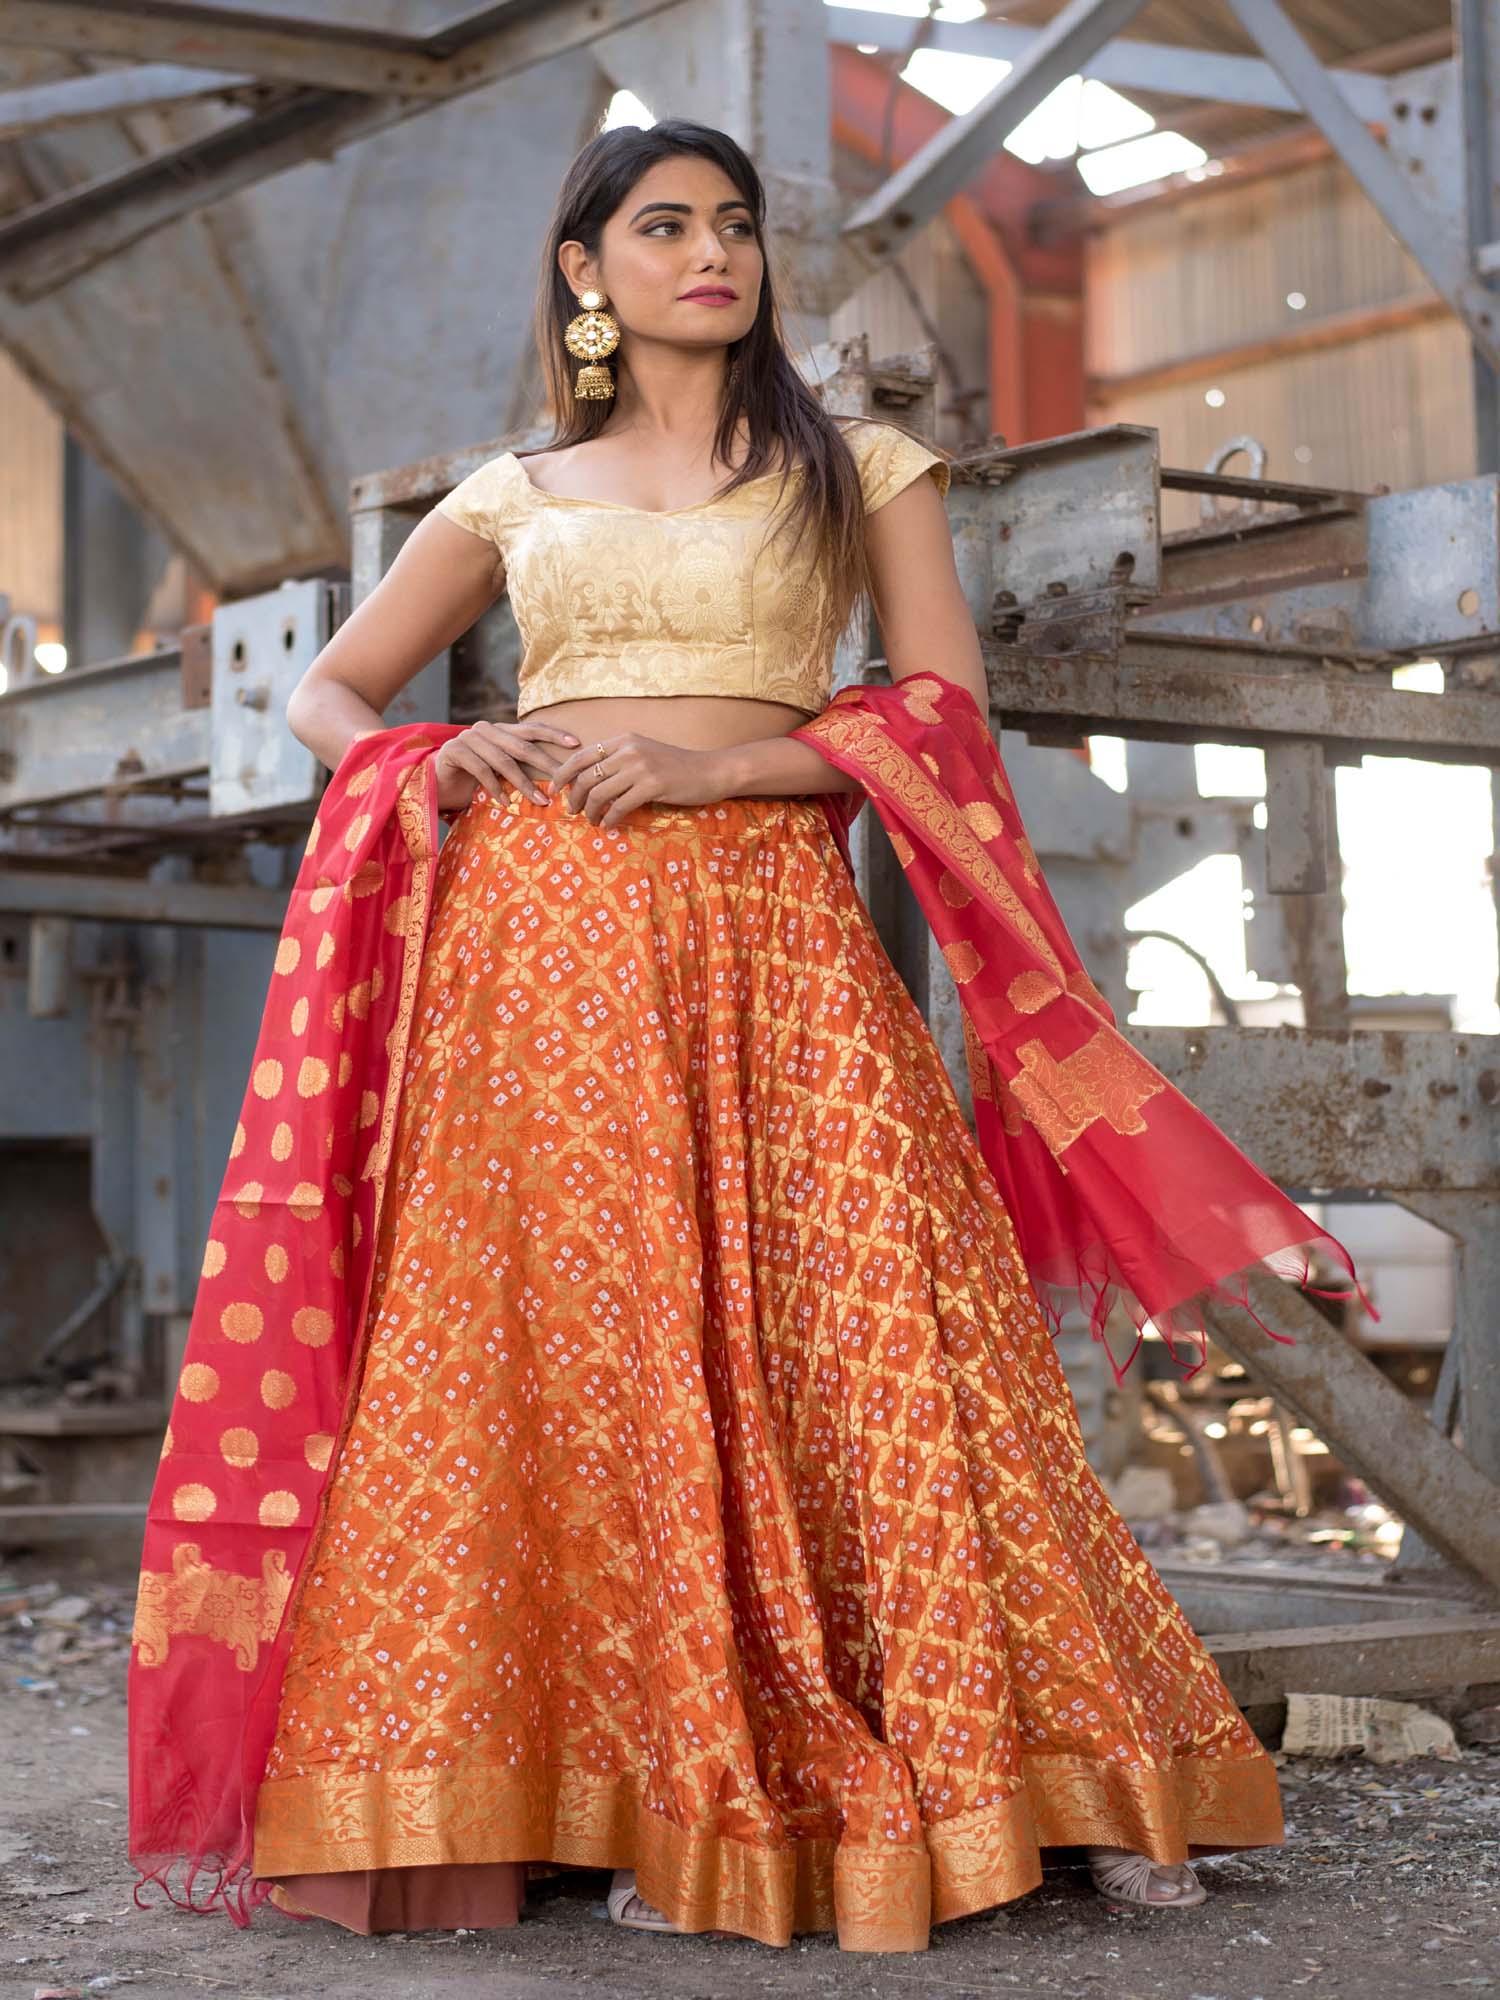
(1131, 1879)
(630, 1910)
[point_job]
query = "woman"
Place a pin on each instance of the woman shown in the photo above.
(665, 1466)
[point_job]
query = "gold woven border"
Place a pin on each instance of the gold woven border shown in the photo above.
(877, 1899)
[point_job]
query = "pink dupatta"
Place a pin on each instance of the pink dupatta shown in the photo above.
(1118, 1187)
(272, 1360)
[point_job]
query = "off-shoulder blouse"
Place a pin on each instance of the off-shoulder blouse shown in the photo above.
(618, 600)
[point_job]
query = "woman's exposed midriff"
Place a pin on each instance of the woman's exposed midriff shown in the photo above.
(690, 721)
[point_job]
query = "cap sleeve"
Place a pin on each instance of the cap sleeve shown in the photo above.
(487, 503)
(889, 460)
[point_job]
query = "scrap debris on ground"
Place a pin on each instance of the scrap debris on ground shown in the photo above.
(1388, 1885)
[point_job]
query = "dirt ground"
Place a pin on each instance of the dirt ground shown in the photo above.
(1389, 1885)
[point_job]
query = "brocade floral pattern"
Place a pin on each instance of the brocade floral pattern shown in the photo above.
(709, 599)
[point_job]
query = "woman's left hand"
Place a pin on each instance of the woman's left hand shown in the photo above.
(638, 771)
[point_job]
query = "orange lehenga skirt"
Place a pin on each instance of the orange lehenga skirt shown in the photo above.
(713, 1503)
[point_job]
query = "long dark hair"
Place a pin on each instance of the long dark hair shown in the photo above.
(786, 422)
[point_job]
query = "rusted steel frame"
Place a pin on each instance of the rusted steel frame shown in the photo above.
(1471, 1368)
(1376, 1430)
(274, 47)
(1404, 1657)
(1355, 1113)
(77, 100)
(40, 892)
(1192, 689)
(48, 245)
(1303, 868)
(1298, 811)
(55, 241)
(1293, 540)
(907, 199)
(104, 729)
(1268, 492)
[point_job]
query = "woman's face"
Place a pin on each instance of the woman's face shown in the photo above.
(684, 229)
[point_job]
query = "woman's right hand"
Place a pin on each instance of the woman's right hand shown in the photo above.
(488, 756)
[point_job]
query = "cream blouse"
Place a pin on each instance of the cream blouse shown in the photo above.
(617, 600)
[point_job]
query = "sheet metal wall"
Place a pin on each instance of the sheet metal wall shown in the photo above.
(1393, 406)
(953, 300)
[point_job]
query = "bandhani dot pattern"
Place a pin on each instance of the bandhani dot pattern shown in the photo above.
(714, 1504)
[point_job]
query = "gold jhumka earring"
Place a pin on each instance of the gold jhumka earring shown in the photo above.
(591, 335)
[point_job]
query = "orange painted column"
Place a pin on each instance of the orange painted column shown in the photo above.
(1035, 291)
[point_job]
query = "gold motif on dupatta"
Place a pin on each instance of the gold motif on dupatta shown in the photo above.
(962, 961)
(977, 1057)
(237, 1611)
(411, 813)
(986, 1085)
(1105, 1079)
(1011, 1121)
(946, 825)
(919, 698)
(1029, 992)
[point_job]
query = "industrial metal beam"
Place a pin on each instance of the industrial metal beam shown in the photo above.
(1378, 1432)
(75, 100)
(1346, 1110)
(128, 900)
(110, 729)
(1470, 1218)
(1444, 257)
(275, 47)
(1208, 75)
(1479, 98)
(1183, 688)
(881, 225)
(47, 246)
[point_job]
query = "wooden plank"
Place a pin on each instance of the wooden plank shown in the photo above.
(1409, 1656)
